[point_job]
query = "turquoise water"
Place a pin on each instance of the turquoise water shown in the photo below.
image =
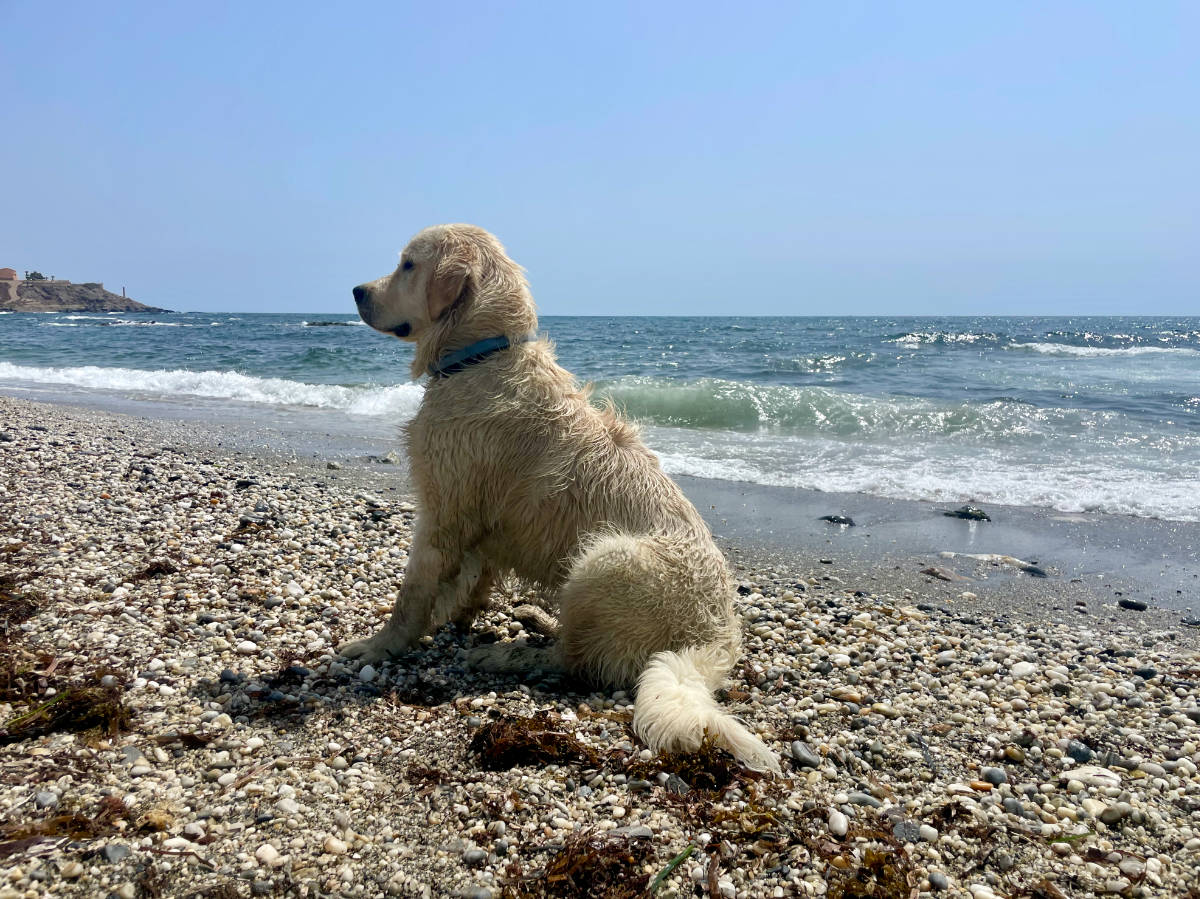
(1077, 414)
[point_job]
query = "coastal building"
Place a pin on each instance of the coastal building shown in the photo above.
(8, 274)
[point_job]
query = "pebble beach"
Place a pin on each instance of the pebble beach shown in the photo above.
(174, 720)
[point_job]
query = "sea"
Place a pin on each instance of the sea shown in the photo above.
(1074, 414)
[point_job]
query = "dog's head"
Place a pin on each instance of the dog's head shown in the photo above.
(453, 283)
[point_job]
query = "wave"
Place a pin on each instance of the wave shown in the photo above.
(1064, 484)
(918, 338)
(399, 401)
(1063, 349)
(719, 405)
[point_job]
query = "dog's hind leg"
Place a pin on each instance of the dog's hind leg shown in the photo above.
(657, 611)
(516, 657)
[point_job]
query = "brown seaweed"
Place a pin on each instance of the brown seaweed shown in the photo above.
(511, 740)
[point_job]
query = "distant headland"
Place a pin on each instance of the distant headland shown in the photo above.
(37, 293)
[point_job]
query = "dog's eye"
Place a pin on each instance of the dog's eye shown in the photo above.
(406, 264)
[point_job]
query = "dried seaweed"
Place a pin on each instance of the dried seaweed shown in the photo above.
(589, 866)
(157, 568)
(709, 769)
(73, 710)
(512, 740)
(881, 874)
(16, 605)
(17, 837)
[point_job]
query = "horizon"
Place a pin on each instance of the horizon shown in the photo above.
(637, 161)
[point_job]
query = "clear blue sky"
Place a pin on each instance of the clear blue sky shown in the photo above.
(667, 158)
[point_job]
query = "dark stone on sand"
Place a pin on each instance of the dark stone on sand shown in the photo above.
(843, 520)
(1190, 622)
(943, 574)
(1145, 673)
(1080, 752)
(677, 785)
(7, 437)
(804, 755)
(1135, 605)
(970, 513)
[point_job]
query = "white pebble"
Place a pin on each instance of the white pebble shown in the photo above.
(247, 647)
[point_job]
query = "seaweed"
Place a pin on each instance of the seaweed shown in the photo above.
(588, 866)
(709, 769)
(16, 605)
(157, 568)
(880, 875)
(511, 740)
(16, 837)
(73, 710)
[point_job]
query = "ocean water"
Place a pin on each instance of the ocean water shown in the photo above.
(1074, 414)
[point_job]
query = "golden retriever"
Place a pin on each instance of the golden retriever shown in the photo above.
(516, 472)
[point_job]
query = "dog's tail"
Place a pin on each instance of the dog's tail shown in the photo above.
(675, 707)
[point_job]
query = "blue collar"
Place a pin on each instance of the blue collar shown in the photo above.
(452, 363)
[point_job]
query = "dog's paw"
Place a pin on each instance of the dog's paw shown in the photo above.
(373, 650)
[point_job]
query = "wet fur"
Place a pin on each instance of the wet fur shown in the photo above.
(516, 471)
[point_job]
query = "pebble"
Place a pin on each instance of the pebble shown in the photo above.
(334, 846)
(247, 647)
(902, 692)
(839, 825)
(804, 755)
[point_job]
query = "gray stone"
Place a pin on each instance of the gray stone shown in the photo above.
(804, 755)
(938, 881)
(1080, 752)
(46, 799)
(1116, 813)
(995, 776)
(864, 799)
(633, 832)
(474, 857)
(907, 831)
(115, 852)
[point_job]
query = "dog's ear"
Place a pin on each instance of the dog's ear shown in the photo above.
(451, 279)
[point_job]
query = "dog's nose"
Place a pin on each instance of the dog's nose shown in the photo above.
(360, 294)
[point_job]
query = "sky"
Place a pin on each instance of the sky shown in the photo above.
(637, 158)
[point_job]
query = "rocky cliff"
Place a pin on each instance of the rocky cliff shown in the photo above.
(61, 296)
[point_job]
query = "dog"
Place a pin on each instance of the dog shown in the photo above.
(517, 472)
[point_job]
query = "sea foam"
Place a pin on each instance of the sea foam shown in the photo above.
(399, 400)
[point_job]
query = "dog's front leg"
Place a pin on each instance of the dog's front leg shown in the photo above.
(433, 581)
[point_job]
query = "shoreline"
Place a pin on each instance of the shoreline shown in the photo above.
(1094, 559)
(201, 587)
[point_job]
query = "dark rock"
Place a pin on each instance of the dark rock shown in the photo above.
(969, 513)
(229, 676)
(1135, 605)
(864, 799)
(804, 756)
(843, 520)
(995, 776)
(938, 881)
(1080, 752)
(1145, 673)
(676, 784)
(907, 831)
(1013, 806)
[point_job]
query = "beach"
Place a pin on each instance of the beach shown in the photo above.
(176, 722)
